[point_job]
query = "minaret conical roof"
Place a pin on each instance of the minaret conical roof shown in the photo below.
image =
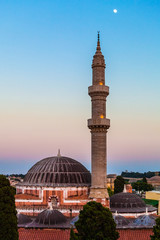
(98, 58)
(98, 49)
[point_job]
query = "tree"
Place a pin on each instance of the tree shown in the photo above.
(119, 184)
(73, 235)
(137, 174)
(95, 223)
(144, 180)
(110, 192)
(156, 230)
(142, 186)
(8, 218)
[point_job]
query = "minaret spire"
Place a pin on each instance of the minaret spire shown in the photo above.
(98, 43)
(59, 153)
(98, 37)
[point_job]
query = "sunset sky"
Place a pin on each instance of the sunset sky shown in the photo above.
(46, 50)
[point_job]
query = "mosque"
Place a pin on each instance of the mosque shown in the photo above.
(64, 184)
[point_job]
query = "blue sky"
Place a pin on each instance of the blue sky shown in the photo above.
(46, 50)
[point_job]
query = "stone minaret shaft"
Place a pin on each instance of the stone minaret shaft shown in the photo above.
(98, 125)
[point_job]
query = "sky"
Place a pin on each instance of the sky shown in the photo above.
(46, 51)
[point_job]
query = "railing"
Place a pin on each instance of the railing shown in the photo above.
(99, 122)
(98, 89)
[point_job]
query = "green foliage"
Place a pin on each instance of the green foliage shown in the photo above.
(4, 181)
(73, 235)
(142, 186)
(8, 219)
(154, 203)
(119, 184)
(156, 230)
(144, 180)
(138, 175)
(95, 223)
(14, 190)
(110, 192)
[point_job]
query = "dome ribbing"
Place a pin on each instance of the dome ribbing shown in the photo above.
(50, 217)
(58, 171)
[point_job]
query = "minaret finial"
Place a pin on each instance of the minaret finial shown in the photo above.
(98, 42)
(59, 154)
(98, 36)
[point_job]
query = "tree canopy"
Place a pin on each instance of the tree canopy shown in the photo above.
(142, 185)
(138, 175)
(119, 184)
(110, 192)
(156, 230)
(8, 219)
(95, 223)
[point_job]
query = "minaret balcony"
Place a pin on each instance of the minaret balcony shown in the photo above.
(101, 122)
(98, 90)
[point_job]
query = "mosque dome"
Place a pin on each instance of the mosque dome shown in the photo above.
(23, 219)
(145, 220)
(128, 203)
(50, 217)
(120, 221)
(58, 171)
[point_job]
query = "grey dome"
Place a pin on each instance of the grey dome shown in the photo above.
(58, 171)
(120, 220)
(23, 219)
(50, 217)
(145, 220)
(128, 203)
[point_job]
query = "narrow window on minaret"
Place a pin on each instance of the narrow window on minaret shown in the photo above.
(101, 116)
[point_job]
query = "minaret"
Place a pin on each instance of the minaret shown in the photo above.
(98, 125)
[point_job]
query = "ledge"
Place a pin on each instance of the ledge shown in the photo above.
(98, 89)
(99, 123)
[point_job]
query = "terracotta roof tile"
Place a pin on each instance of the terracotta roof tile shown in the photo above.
(57, 234)
(82, 197)
(45, 234)
(135, 234)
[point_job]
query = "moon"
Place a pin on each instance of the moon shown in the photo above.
(115, 10)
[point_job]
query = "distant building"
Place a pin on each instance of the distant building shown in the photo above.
(155, 181)
(14, 180)
(154, 195)
(128, 188)
(110, 181)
